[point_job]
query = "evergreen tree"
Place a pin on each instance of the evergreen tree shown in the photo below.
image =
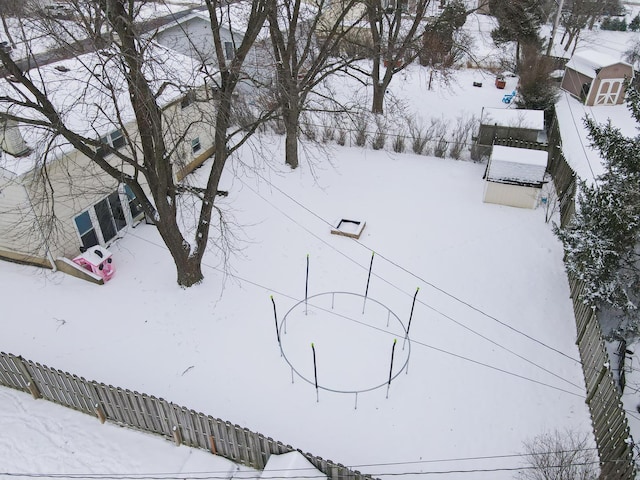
(518, 21)
(536, 89)
(634, 25)
(602, 241)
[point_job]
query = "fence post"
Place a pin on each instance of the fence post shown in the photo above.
(31, 384)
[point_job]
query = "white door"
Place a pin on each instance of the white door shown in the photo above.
(609, 91)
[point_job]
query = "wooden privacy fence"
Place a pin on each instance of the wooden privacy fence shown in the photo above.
(610, 426)
(154, 415)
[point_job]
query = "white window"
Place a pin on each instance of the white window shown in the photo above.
(609, 91)
(102, 222)
(115, 139)
(195, 145)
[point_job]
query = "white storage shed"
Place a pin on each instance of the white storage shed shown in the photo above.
(515, 176)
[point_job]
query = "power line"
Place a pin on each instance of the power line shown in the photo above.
(319, 475)
(450, 295)
(446, 352)
(419, 301)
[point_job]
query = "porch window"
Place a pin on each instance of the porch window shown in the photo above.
(134, 205)
(88, 235)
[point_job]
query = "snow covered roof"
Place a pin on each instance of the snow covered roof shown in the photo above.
(588, 62)
(517, 165)
(80, 88)
(506, 117)
(292, 465)
(232, 17)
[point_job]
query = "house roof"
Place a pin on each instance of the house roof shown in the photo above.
(292, 466)
(232, 17)
(506, 117)
(78, 88)
(588, 62)
(517, 165)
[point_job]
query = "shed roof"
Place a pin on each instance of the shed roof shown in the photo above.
(517, 165)
(292, 466)
(588, 62)
(506, 117)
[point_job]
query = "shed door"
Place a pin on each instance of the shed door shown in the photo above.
(608, 92)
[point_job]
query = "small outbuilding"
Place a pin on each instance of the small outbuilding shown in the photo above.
(515, 127)
(515, 176)
(596, 78)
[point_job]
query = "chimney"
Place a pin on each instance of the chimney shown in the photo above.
(11, 140)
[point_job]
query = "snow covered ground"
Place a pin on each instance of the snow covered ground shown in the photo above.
(43, 439)
(474, 386)
(483, 373)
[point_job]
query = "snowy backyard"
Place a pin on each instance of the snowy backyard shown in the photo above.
(490, 360)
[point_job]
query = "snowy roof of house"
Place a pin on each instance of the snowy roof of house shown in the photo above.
(517, 165)
(232, 16)
(506, 117)
(78, 88)
(588, 62)
(292, 465)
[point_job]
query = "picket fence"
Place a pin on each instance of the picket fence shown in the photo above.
(154, 415)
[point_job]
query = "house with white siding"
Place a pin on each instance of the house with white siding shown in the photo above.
(54, 200)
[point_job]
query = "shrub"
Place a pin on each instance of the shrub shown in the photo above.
(398, 143)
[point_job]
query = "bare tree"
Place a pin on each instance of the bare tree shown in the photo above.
(146, 166)
(559, 456)
(396, 39)
(306, 39)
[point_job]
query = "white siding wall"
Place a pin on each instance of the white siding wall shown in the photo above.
(78, 185)
(20, 237)
(511, 195)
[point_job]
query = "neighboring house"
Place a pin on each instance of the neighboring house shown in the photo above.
(53, 199)
(513, 127)
(192, 36)
(515, 176)
(596, 78)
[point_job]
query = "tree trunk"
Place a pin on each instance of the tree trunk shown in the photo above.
(378, 98)
(291, 116)
(189, 271)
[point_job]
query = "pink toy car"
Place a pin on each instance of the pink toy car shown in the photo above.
(97, 260)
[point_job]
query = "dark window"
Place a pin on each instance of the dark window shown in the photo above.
(134, 205)
(117, 211)
(195, 145)
(117, 139)
(105, 219)
(85, 229)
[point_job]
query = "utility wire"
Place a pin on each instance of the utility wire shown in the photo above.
(450, 295)
(419, 300)
(319, 475)
(461, 357)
